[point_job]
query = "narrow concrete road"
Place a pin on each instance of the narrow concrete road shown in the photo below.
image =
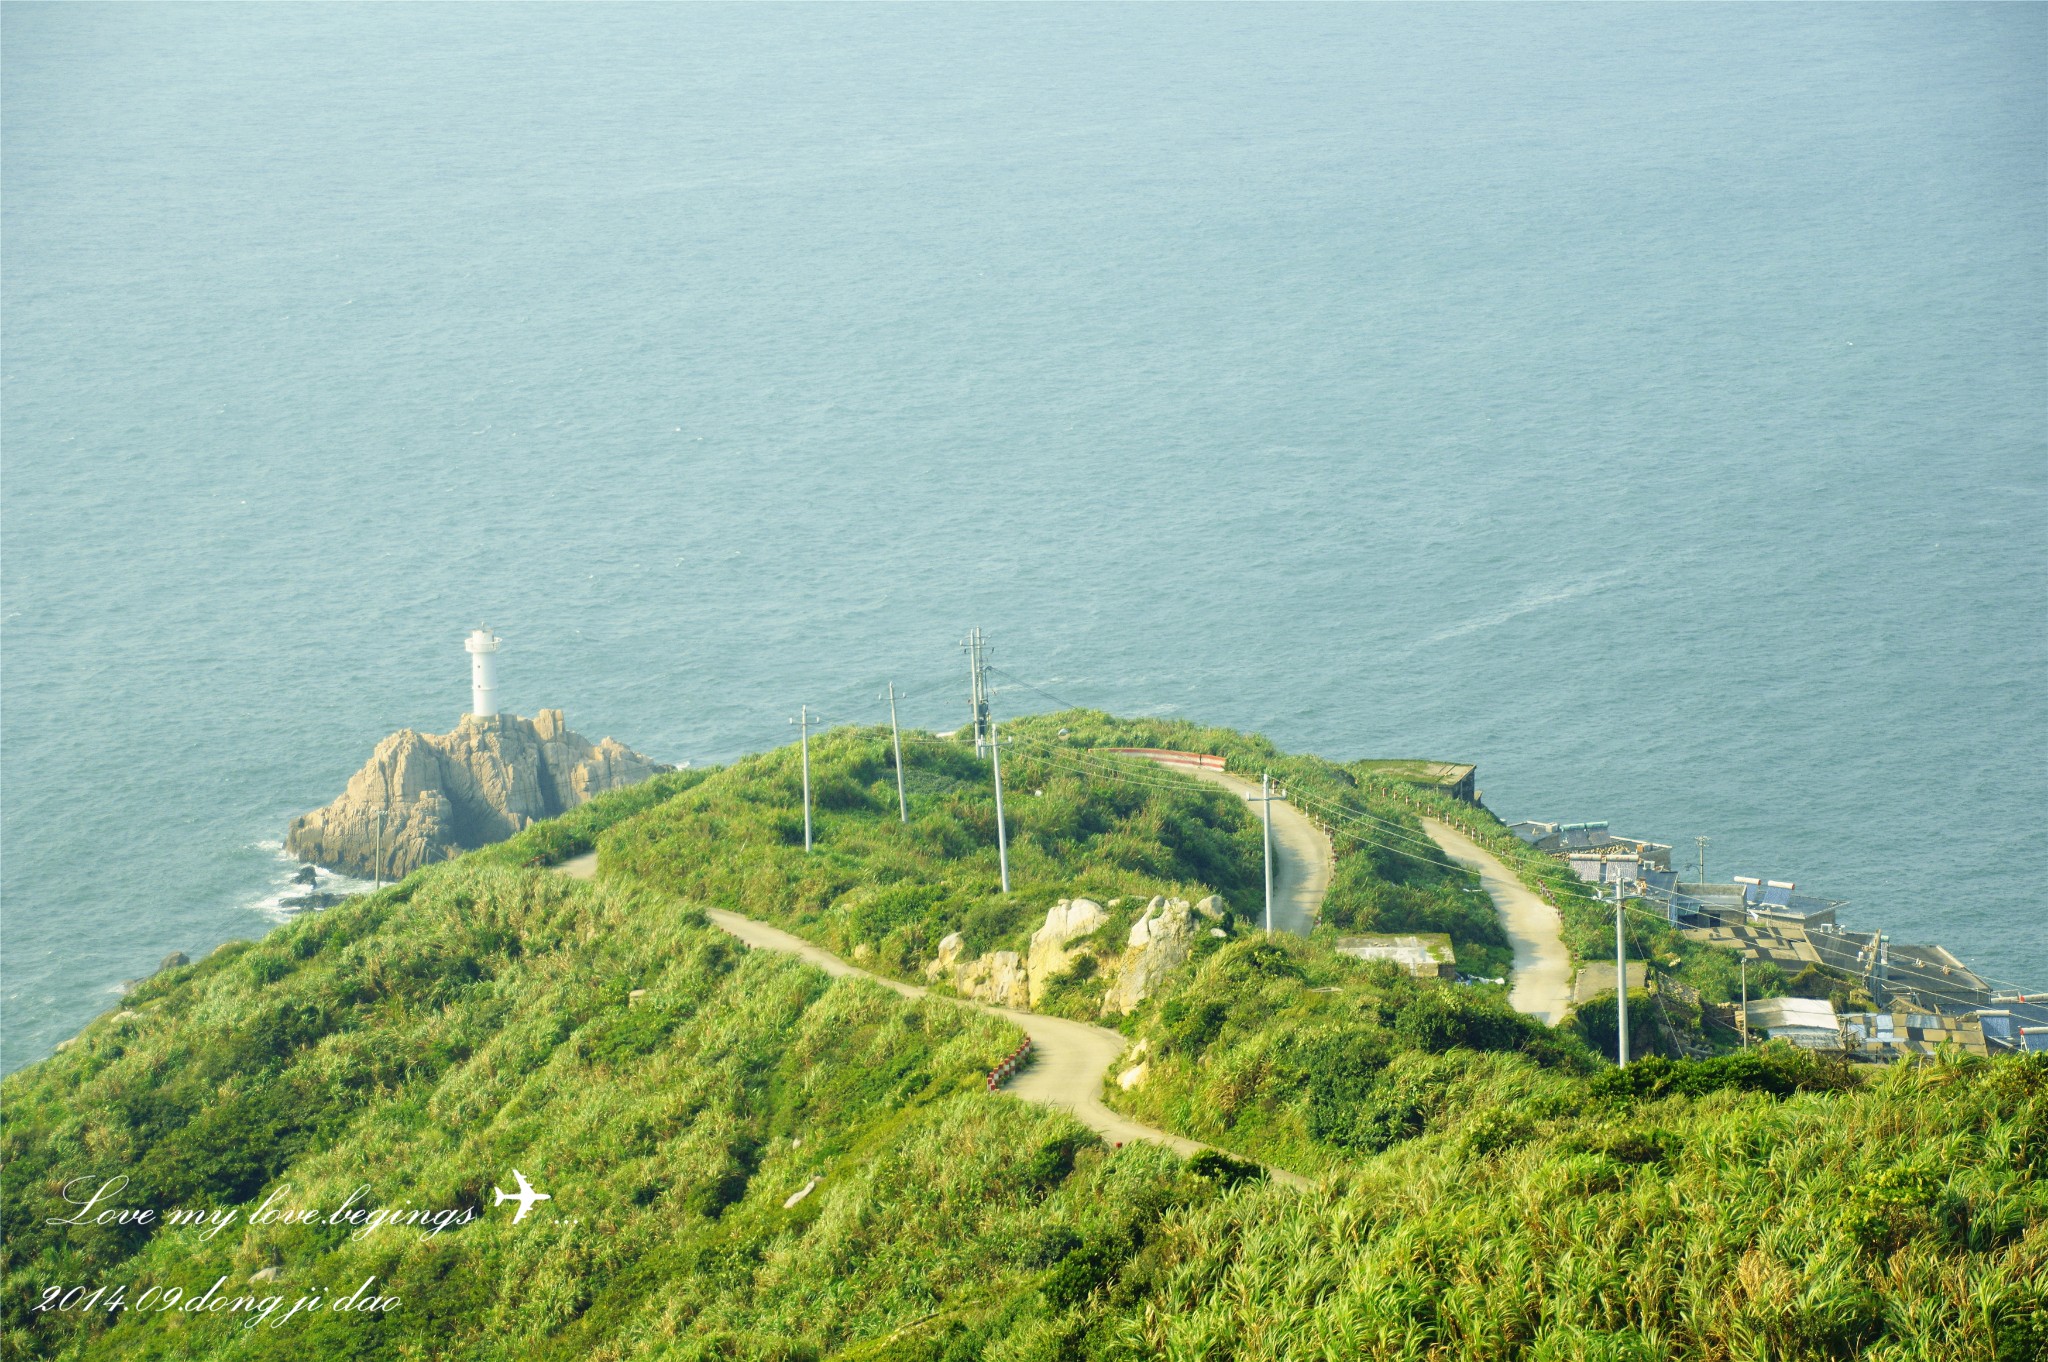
(1542, 982)
(1068, 1058)
(1302, 859)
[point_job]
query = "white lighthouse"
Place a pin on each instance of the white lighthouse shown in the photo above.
(482, 646)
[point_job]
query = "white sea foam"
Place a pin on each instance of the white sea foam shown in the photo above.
(283, 885)
(1522, 606)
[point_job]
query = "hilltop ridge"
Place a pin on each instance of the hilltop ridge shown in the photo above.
(750, 1158)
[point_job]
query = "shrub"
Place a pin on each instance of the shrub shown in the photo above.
(1211, 1165)
(1441, 1019)
(1777, 1069)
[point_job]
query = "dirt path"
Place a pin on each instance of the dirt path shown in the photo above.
(1542, 982)
(1302, 859)
(1068, 1059)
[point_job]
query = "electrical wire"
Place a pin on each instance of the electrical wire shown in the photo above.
(1106, 766)
(1039, 690)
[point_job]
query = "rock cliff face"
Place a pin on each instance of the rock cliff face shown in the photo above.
(1160, 942)
(441, 794)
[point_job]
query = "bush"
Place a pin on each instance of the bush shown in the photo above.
(1777, 1069)
(1080, 1274)
(1442, 1019)
(1211, 1165)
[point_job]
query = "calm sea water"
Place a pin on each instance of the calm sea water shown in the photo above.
(1646, 404)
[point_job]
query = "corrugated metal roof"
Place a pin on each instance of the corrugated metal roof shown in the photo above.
(1774, 1012)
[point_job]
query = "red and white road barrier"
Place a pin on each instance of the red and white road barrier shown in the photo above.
(1011, 1063)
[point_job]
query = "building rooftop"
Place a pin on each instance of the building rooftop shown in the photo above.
(1774, 1013)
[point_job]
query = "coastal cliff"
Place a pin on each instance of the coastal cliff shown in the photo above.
(440, 794)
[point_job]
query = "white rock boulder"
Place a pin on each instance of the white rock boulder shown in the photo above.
(1048, 957)
(1160, 942)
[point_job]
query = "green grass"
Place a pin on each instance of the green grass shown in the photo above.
(1489, 1188)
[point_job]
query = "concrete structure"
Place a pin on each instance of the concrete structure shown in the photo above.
(1607, 865)
(1455, 779)
(1927, 977)
(1426, 955)
(1571, 839)
(1751, 900)
(482, 646)
(1597, 977)
(1809, 1022)
(1933, 977)
(2001, 1029)
(1785, 946)
(1884, 1036)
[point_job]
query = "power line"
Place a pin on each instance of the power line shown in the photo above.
(1015, 679)
(1102, 765)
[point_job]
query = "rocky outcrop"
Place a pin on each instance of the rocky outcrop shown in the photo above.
(1048, 957)
(998, 977)
(1140, 1067)
(425, 797)
(1008, 979)
(1160, 941)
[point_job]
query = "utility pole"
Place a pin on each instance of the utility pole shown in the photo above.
(1703, 858)
(1745, 1002)
(977, 676)
(1002, 837)
(1620, 982)
(985, 739)
(1265, 798)
(896, 736)
(803, 730)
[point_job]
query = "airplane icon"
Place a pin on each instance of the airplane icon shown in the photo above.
(525, 1196)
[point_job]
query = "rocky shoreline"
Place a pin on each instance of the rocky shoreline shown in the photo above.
(427, 797)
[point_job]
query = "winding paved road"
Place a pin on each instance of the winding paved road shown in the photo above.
(1302, 859)
(1302, 863)
(1542, 982)
(1068, 1058)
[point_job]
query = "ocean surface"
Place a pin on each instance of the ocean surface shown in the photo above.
(1644, 403)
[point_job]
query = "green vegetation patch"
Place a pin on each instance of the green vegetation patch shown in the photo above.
(886, 892)
(1489, 1188)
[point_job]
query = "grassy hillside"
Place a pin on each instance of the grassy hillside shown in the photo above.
(1490, 1189)
(885, 892)
(1902, 1219)
(1389, 876)
(428, 1040)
